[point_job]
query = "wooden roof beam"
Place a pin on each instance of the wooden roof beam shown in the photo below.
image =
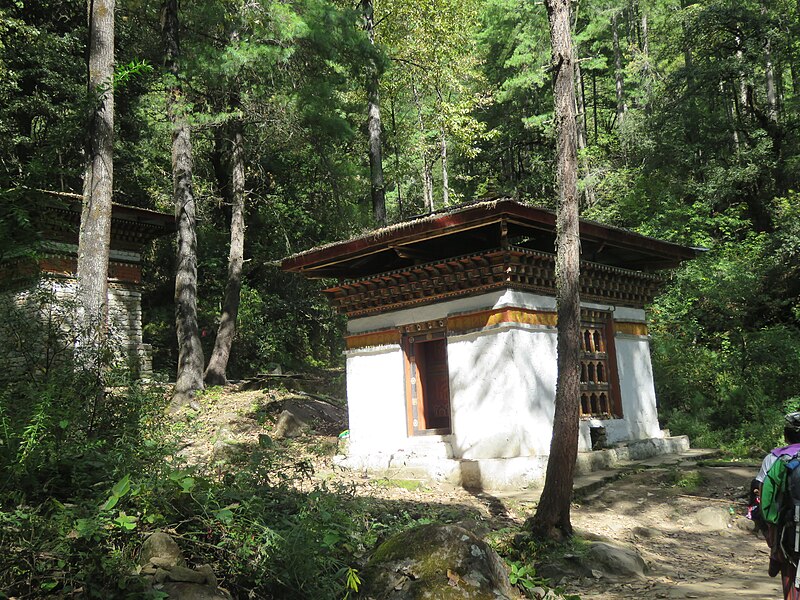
(412, 253)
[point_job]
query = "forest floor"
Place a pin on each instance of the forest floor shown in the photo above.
(652, 508)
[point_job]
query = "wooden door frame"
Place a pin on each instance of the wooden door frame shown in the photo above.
(413, 383)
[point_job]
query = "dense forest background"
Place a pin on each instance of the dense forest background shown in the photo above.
(689, 131)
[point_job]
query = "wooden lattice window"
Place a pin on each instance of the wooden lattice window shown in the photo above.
(599, 379)
(427, 383)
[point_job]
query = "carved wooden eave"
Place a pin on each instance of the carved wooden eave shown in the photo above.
(515, 268)
(131, 227)
(57, 218)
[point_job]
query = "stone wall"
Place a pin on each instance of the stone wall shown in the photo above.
(37, 323)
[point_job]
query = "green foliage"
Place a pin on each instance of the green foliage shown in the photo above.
(67, 500)
(689, 481)
(43, 97)
(524, 577)
(521, 552)
(76, 507)
(726, 345)
(352, 581)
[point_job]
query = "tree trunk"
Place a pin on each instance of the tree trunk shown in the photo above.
(730, 108)
(769, 73)
(645, 38)
(427, 169)
(445, 179)
(690, 118)
(94, 237)
(397, 163)
(377, 188)
(630, 22)
(794, 56)
(742, 84)
(619, 76)
(220, 167)
(580, 99)
(594, 104)
(580, 109)
(427, 183)
(688, 61)
(647, 74)
(218, 363)
(190, 352)
(553, 512)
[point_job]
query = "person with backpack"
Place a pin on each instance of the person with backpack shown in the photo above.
(777, 498)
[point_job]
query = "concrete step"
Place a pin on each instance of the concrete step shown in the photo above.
(431, 460)
(585, 485)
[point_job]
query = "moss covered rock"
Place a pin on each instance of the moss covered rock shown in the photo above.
(437, 562)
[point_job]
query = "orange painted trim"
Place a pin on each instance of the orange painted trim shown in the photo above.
(385, 337)
(487, 318)
(630, 328)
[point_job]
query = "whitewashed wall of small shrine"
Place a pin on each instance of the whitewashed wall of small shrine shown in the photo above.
(637, 390)
(502, 392)
(376, 398)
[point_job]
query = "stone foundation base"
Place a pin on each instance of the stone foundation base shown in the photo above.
(499, 473)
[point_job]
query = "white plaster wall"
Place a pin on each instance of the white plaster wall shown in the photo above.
(376, 399)
(623, 313)
(502, 392)
(440, 310)
(637, 391)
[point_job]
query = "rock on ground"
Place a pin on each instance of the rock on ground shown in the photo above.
(441, 562)
(162, 547)
(194, 591)
(288, 425)
(714, 517)
(616, 562)
(162, 566)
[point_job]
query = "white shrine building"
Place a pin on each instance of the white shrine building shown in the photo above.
(451, 342)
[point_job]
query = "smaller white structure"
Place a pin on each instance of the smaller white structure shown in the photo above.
(43, 283)
(451, 343)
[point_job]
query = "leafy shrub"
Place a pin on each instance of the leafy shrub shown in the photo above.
(724, 355)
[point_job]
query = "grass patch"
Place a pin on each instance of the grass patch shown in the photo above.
(412, 485)
(324, 447)
(689, 481)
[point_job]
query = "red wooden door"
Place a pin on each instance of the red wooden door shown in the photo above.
(433, 401)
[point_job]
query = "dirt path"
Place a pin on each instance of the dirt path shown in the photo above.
(687, 559)
(653, 509)
(649, 511)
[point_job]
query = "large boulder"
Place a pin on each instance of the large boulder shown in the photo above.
(714, 518)
(614, 562)
(289, 425)
(161, 547)
(437, 562)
